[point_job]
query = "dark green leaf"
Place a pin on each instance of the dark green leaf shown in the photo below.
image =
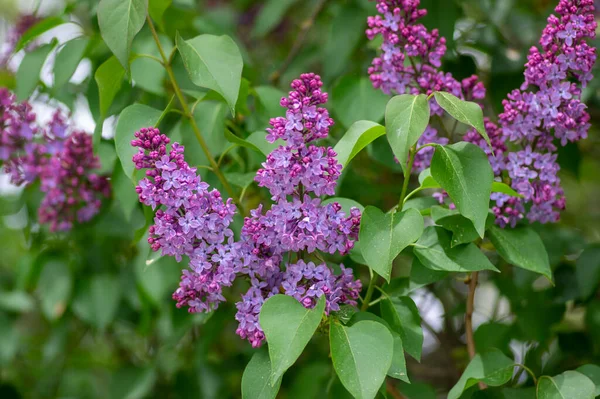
(361, 355)
(36, 30)
(270, 15)
(120, 21)
(568, 385)
(54, 287)
(403, 316)
(132, 383)
(355, 99)
(288, 327)
(28, 74)
(588, 271)
(157, 8)
(67, 60)
(467, 112)
(97, 300)
(522, 247)
(132, 119)
(463, 231)
(463, 170)
(360, 134)
(256, 380)
(213, 62)
(435, 252)
(406, 118)
(384, 236)
(492, 368)
(210, 118)
(109, 77)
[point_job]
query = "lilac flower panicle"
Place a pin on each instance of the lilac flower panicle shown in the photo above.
(190, 221)
(62, 159)
(296, 174)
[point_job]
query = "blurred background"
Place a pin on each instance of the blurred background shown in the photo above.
(89, 314)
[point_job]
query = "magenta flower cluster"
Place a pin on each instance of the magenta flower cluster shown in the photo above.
(23, 24)
(62, 159)
(409, 63)
(194, 222)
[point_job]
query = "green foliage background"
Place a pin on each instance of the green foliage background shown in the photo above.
(89, 314)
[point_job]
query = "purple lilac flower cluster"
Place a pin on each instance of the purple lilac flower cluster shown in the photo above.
(191, 221)
(551, 112)
(409, 62)
(298, 222)
(63, 161)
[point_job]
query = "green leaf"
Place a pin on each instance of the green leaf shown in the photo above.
(120, 21)
(36, 30)
(232, 138)
(463, 170)
(16, 301)
(467, 112)
(97, 300)
(420, 276)
(361, 355)
(54, 287)
(270, 15)
(523, 248)
(498, 187)
(67, 60)
(355, 98)
(435, 252)
(157, 8)
(256, 380)
(403, 316)
(147, 73)
(346, 204)
(210, 118)
(592, 372)
(288, 326)
(397, 369)
(109, 77)
(258, 139)
(132, 119)
(406, 118)
(28, 74)
(418, 390)
(132, 383)
(568, 385)
(269, 98)
(213, 62)
(588, 271)
(463, 231)
(492, 368)
(360, 134)
(384, 236)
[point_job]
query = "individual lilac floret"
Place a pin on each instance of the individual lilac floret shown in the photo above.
(307, 283)
(191, 221)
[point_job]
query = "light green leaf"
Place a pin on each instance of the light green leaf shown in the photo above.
(16, 301)
(28, 74)
(406, 118)
(259, 140)
(467, 112)
(522, 247)
(588, 271)
(360, 134)
(270, 15)
(269, 98)
(384, 236)
(568, 385)
(54, 287)
(403, 316)
(498, 187)
(109, 77)
(592, 372)
(120, 21)
(157, 8)
(492, 368)
(132, 119)
(288, 326)
(256, 380)
(210, 118)
(67, 60)
(354, 98)
(232, 138)
(97, 300)
(463, 170)
(397, 369)
(346, 204)
(361, 355)
(213, 62)
(435, 252)
(36, 30)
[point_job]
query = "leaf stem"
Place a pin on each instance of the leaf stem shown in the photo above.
(190, 116)
(370, 290)
(531, 373)
(300, 38)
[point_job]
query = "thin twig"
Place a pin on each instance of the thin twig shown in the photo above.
(469, 318)
(391, 389)
(305, 27)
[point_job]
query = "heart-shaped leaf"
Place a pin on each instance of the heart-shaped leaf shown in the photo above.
(360, 134)
(464, 171)
(406, 118)
(256, 380)
(383, 236)
(361, 355)
(568, 385)
(288, 327)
